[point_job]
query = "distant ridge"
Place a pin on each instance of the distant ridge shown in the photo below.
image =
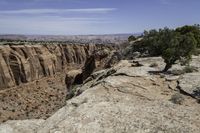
(106, 38)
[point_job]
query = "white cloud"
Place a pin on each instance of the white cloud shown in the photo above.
(58, 11)
(52, 25)
(55, 21)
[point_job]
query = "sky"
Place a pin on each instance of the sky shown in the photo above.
(80, 17)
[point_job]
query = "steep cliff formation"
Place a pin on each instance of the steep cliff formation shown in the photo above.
(24, 63)
(32, 77)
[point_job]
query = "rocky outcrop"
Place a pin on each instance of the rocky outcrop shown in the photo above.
(113, 59)
(25, 63)
(33, 81)
(70, 78)
(190, 84)
(123, 98)
(87, 70)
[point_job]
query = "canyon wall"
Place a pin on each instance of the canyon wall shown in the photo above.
(25, 63)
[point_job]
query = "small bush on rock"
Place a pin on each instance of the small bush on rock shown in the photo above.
(154, 65)
(177, 99)
(177, 72)
(131, 38)
(72, 92)
(190, 69)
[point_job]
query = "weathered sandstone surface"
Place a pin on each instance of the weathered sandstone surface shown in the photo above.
(127, 98)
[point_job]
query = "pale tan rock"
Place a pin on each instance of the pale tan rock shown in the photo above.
(124, 103)
(24, 126)
(190, 84)
(25, 63)
(125, 99)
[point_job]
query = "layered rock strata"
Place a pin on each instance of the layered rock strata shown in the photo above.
(32, 77)
(25, 63)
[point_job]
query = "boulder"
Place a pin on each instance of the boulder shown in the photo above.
(190, 84)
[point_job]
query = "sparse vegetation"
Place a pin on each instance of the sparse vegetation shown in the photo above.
(177, 99)
(177, 72)
(154, 65)
(131, 38)
(186, 69)
(190, 69)
(172, 45)
(72, 92)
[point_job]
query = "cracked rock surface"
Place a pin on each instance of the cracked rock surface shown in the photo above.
(124, 99)
(190, 84)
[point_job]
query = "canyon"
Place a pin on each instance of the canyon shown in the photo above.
(25, 63)
(32, 76)
(61, 88)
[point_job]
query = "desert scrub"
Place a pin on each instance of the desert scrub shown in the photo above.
(153, 65)
(177, 72)
(186, 69)
(72, 92)
(190, 69)
(177, 98)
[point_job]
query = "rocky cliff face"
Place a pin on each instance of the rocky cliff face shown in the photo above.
(126, 98)
(32, 77)
(25, 63)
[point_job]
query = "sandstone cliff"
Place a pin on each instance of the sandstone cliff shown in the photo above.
(32, 77)
(24, 63)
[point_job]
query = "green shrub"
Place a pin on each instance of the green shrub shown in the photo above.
(131, 38)
(197, 52)
(172, 45)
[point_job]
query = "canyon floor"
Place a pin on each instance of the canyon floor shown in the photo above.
(130, 97)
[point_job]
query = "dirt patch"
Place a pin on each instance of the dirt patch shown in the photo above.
(39, 99)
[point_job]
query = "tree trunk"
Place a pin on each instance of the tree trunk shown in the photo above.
(167, 67)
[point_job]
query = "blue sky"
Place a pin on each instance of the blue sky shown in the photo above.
(69, 17)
